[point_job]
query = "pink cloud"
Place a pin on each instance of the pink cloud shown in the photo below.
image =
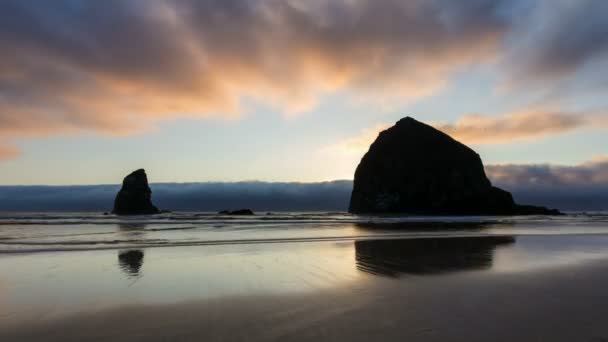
(525, 125)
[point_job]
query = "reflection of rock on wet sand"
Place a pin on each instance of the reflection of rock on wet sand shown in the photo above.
(128, 226)
(131, 261)
(429, 226)
(132, 230)
(427, 255)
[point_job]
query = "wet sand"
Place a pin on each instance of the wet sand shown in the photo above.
(524, 288)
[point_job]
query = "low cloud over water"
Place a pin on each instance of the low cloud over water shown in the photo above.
(580, 187)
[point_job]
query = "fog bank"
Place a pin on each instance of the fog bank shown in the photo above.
(266, 196)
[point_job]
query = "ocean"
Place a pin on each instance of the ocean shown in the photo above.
(40, 232)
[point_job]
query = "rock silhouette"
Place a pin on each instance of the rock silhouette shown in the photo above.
(414, 168)
(239, 212)
(135, 196)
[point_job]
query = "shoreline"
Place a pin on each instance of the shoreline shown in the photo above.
(304, 240)
(522, 288)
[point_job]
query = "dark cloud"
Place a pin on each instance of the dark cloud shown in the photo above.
(580, 187)
(591, 173)
(560, 37)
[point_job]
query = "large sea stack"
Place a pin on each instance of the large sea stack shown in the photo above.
(413, 168)
(135, 196)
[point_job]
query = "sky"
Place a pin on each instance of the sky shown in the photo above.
(296, 90)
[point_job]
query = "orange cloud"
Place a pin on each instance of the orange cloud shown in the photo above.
(8, 152)
(358, 144)
(119, 66)
(480, 129)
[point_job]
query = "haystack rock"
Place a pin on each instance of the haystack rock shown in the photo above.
(135, 196)
(413, 168)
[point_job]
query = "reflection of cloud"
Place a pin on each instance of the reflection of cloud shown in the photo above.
(479, 129)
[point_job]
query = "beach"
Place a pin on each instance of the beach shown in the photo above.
(293, 170)
(536, 279)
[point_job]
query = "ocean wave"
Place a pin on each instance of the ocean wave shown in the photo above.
(82, 231)
(196, 218)
(82, 245)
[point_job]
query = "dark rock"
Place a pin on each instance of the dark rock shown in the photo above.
(536, 210)
(237, 212)
(414, 168)
(135, 196)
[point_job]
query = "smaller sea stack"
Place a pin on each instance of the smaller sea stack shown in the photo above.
(135, 196)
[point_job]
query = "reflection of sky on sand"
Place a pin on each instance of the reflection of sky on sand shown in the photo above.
(65, 282)
(44, 285)
(3, 301)
(545, 252)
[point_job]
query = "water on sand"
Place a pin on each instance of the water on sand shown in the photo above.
(302, 276)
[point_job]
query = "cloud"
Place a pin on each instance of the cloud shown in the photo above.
(109, 65)
(259, 196)
(114, 66)
(358, 144)
(8, 152)
(589, 174)
(554, 39)
(577, 187)
(480, 129)
(118, 66)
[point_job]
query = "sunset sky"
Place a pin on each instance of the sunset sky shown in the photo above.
(294, 90)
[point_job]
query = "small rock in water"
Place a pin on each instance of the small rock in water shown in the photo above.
(237, 212)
